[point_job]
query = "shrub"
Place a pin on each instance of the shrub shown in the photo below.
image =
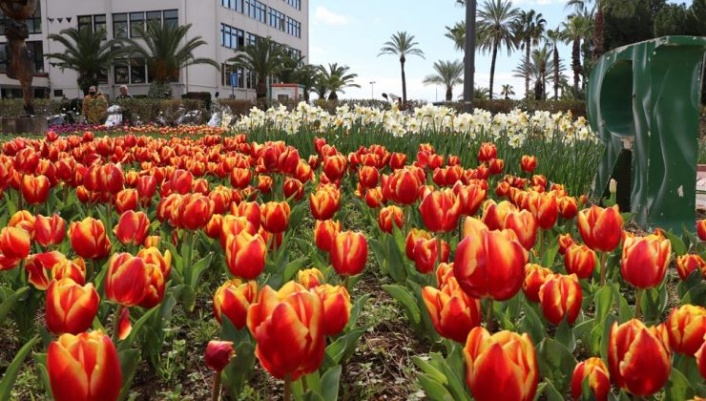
(238, 107)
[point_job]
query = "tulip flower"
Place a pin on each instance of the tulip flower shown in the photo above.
(324, 203)
(251, 211)
(35, 189)
(23, 219)
(645, 260)
(325, 232)
(487, 152)
(700, 356)
(127, 279)
(70, 307)
(426, 254)
(126, 200)
(489, 265)
(594, 371)
(88, 238)
(84, 367)
(389, 215)
(349, 252)
(146, 188)
(194, 211)
(374, 197)
(528, 163)
(601, 229)
(413, 237)
(494, 214)
(181, 181)
(502, 366)
(219, 354)
(688, 263)
(336, 304)
(49, 231)
(686, 327)
(560, 298)
(232, 299)
(334, 166)
(525, 226)
(452, 312)
(471, 197)
(568, 207)
(440, 211)
(275, 216)
(535, 277)
(639, 358)
(368, 176)
(701, 229)
(580, 260)
(310, 278)
(288, 328)
(132, 228)
(240, 177)
(565, 241)
(245, 255)
(403, 185)
(293, 188)
(15, 242)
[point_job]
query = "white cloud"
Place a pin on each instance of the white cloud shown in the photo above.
(328, 17)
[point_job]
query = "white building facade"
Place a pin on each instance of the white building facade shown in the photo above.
(225, 25)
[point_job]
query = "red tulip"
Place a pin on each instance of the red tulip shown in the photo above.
(535, 277)
(88, 238)
(389, 215)
(645, 260)
(336, 304)
(349, 252)
(688, 263)
(35, 189)
(275, 216)
(325, 232)
(70, 307)
(413, 238)
(528, 163)
(701, 229)
(440, 211)
(49, 231)
(686, 327)
(219, 354)
(310, 278)
(601, 229)
(452, 312)
(245, 255)
(580, 260)
(487, 152)
(15, 242)
(132, 228)
(560, 298)
(232, 299)
(594, 371)
(127, 279)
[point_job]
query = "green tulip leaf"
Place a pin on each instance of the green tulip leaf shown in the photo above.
(10, 302)
(678, 387)
(8, 379)
(408, 301)
(330, 383)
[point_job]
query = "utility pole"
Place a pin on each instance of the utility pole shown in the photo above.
(470, 59)
(372, 90)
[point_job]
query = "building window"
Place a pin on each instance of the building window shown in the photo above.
(154, 16)
(137, 20)
(255, 10)
(121, 74)
(34, 23)
(227, 71)
(236, 5)
(138, 71)
(276, 19)
(96, 23)
(3, 57)
(232, 38)
(37, 54)
(294, 27)
(250, 39)
(296, 4)
(171, 17)
(120, 25)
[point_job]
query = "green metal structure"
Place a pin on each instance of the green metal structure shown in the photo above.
(643, 101)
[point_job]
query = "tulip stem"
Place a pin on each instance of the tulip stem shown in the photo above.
(638, 298)
(346, 280)
(116, 323)
(439, 253)
(489, 320)
(288, 387)
(216, 391)
(604, 267)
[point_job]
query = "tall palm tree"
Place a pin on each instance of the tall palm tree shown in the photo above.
(448, 74)
(290, 66)
(402, 44)
(554, 37)
(307, 75)
(87, 53)
(537, 70)
(529, 28)
(336, 78)
(576, 29)
(264, 58)
(507, 91)
(457, 34)
(495, 30)
(166, 50)
(621, 8)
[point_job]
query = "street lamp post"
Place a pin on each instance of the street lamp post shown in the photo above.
(372, 90)
(470, 59)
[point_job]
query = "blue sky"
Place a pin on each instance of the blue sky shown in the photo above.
(352, 33)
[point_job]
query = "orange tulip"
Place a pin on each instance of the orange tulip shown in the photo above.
(84, 367)
(88, 238)
(240, 177)
(686, 327)
(251, 211)
(397, 160)
(505, 357)
(601, 229)
(14, 242)
(70, 307)
(580, 260)
(535, 277)
(245, 255)
(219, 354)
(440, 211)
(701, 229)
(335, 166)
(565, 241)
(688, 263)
(275, 216)
(325, 232)
(310, 278)
(560, 298)
(413, 237)
(132, 228)
(336, 304)
(489, 265)
(594, 371)
(232, 299)
(525, 226)
(368, 176)
(568, 207)
(349, 252)
(528, 163)
(404, 184)
(23, 219)
(645, 260)
(293, 188)
(389, 215)
(73, 269)
(35, 189)
(487, 152)
(195, 211)
(288, 328)
(127, 279)
(324, 203)
(452, 312)
(126, 200)
(49, 231)
(632, 348)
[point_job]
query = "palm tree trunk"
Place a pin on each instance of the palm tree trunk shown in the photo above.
(404, 81)
(528, 43)
(556, 73)
(449, 93)
(261, 88)
(576, 64)
(492, 68)
(598, 31)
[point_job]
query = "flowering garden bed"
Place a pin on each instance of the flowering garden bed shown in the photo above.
(358, 256)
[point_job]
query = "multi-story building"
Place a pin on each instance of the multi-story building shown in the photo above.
(226, 26)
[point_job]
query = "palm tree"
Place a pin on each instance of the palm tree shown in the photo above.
(166, 50)
(621, 8)
(457, 34)
(553, 38)
(537, 70)
(448, 74)
(307, 75)
(87, 53)
(290, 67)
(264, 58)
(529, 28)
(481, 93)
(494, 24)
(336, 78)
(507, 91)
(402, 44)
(574, 31)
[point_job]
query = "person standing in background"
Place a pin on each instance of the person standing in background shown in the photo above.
(94, 106)
(124, 94)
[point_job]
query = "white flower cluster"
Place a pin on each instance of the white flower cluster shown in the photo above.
(515, 127)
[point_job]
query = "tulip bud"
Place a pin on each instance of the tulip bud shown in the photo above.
(349, 252)
(688, 263)
(686, 327)
(325, 232)
(245, 255)
(565, 241)
(310, 278)
(580, 260)
(389, 215)
(487, 152)
(524, 224)
(560, 298)
(645, 260)
(127, 279)
(535, 277)
(601, 229)
(336, 304)
(324, 203)
(132, 228)
(701, 229)
(528, 163)
(413, 238)
(70, 307)
(195, 211)
(505, 357)
(594, 371)
(440, 211)
(49, 230)
(219, 354)
(84, 367)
